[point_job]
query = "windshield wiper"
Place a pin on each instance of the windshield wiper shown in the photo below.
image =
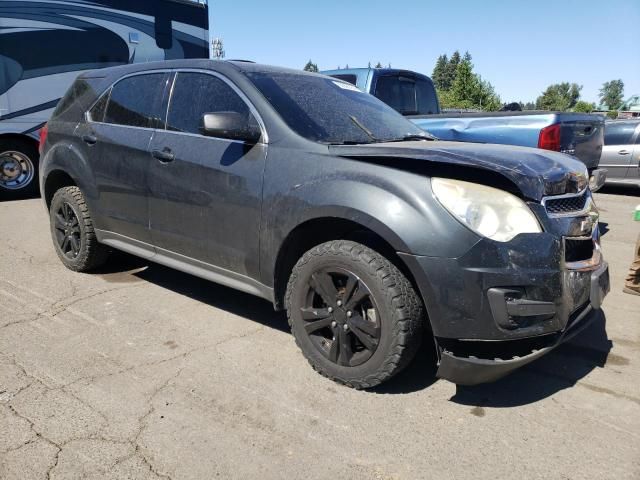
(422, 136)
(364, 129)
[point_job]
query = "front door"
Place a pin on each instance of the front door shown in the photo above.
(205, 193)
(118, 134)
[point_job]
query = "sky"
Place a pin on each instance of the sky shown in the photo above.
(520, 46)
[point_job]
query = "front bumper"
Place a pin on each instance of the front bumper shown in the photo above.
(503, 305)
(472, 370)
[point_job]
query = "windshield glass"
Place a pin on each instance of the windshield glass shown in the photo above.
(328, 110)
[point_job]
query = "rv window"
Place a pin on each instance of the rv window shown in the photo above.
(134, 101)
(164, 35)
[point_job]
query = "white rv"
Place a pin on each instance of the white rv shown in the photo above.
(45, 45)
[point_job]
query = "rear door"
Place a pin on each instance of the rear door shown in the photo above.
(118, 134)
(618, 150)
(206, 193)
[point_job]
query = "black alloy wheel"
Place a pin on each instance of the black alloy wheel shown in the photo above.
(67, 231)
(73, 233)
(341, 317)
(355, 316)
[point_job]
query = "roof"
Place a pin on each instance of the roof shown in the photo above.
(632, 104)
(198, 63)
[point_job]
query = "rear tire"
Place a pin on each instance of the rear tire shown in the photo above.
(354, 315)
(72, 232)
(19, 161)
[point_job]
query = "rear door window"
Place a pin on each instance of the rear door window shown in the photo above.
(195, 94)
(409, 96)
(619, 133)
(136, 101)
(347, 77)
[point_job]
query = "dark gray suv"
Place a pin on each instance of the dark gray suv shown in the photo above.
(303, 190)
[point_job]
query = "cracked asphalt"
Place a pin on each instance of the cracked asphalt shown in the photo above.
(142, 372)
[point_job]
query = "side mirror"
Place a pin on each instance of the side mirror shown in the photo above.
(231, 125)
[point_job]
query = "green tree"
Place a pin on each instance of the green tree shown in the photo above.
(584, 107)
(559, 97)
(451, 71)
(529, 106)
(310, 67)
(439, 75)
(611, 94)
(469, 90)
(378, 65)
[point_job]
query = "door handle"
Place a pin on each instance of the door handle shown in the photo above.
(624, 152)
(90, 139)
(165, 155)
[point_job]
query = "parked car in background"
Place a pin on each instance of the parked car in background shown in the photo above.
(621, 153)
(414, 96)
(45, 44)
(333, 207)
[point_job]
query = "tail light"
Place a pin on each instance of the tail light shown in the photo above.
(44, 131)
(549, 138)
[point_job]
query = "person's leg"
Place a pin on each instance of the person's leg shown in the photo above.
(632, 282)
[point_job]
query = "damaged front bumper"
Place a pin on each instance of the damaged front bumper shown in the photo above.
(471, 370)
(503, 305)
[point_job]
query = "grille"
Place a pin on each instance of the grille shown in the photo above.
(566, 205)
(578, 249)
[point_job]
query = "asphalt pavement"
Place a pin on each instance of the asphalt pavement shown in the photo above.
(139, 372)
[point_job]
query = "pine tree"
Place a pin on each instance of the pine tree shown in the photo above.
(451, 71)
(378, 65)
(310, 67)
(440, 72)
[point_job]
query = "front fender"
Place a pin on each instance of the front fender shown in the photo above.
(397, 205)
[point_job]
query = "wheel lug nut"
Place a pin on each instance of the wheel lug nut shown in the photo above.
(333, 324)
(349, 314)
(345, 327)
(330, 309)
(339, 303)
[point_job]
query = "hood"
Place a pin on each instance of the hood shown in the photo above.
(535, 172)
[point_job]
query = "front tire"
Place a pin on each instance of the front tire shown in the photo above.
(72, 231)
(354, 315)
(18, 169)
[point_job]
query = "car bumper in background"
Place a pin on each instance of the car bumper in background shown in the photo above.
(597, 179)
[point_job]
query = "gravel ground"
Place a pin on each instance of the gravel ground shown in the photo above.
(143, 372)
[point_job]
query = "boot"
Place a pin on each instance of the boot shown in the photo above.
(632, 283)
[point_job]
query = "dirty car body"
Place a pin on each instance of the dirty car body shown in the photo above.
(233, 211)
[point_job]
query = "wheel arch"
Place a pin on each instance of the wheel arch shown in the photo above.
(54, 181)
(20, 137)
(317, 230)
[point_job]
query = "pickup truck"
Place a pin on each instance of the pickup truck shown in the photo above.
(368, 232)
(414, 96)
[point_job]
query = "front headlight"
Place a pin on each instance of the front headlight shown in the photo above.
(490, 212)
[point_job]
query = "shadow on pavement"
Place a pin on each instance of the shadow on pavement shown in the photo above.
(630, 190)
(561, 368)
(125, 268)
